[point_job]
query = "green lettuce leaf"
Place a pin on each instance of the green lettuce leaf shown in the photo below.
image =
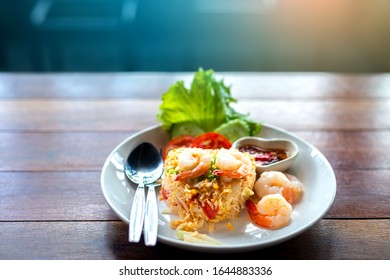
(206, 105)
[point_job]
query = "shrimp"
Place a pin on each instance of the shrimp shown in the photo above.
(193, 163)
(296, 188)
(272, 182)
(272, 211)
(232, 163)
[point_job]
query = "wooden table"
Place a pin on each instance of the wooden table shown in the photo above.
(56, 130)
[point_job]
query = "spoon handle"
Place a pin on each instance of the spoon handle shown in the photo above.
(137, 213)
(151, 218)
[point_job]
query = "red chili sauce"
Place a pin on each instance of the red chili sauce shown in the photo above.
(263, 156)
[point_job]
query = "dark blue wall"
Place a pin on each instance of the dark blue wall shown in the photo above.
(183, 35)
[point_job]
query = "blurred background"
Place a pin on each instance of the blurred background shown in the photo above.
(177, 35)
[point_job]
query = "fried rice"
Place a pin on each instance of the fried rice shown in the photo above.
(206, 199)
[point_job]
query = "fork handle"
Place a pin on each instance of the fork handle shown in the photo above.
(151, 218)
(137, 214)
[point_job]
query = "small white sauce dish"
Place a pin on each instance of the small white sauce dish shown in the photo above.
(289, 146)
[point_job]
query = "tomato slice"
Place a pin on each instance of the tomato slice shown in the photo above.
(210, 212)
(211, 140)
(177, 142)
(207, 140)
(164, 193)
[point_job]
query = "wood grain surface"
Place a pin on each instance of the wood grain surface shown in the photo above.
(56, 131)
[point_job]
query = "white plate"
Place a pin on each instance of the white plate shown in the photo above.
(311, 167)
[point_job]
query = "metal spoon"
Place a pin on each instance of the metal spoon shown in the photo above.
(144, 166)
